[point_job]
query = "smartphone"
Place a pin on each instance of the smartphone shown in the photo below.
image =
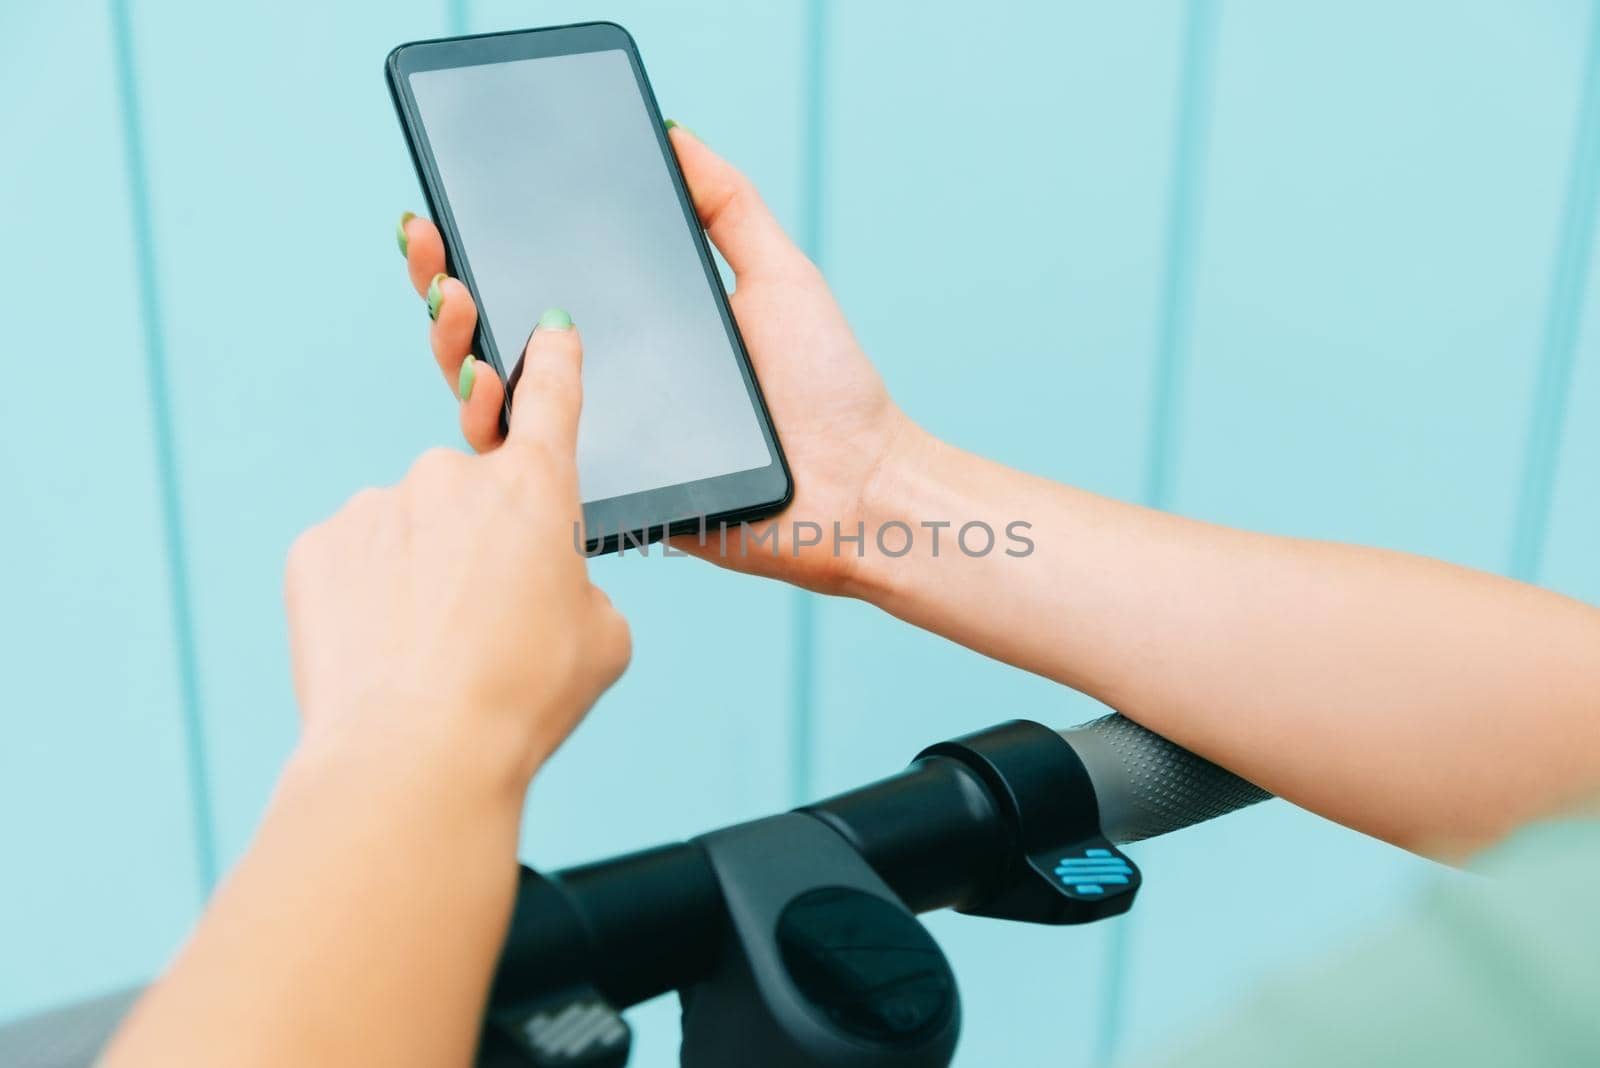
(545, 164)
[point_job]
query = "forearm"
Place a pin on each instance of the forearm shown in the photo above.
(361, 928)
(1424, 703)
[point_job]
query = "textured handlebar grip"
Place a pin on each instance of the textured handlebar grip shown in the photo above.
(1146, 785)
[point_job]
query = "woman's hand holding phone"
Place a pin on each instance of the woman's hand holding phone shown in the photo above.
(1274, 657)
(839, 426)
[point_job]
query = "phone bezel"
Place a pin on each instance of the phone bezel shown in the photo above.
(614, 523)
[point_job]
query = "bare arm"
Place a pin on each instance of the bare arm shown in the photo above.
(1430, 705)
(435, 677)
(361, 928)
(1427, 704)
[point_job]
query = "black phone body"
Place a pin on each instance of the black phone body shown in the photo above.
(546, 166)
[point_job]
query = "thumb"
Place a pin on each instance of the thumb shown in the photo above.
(732, 212)
(548, 387)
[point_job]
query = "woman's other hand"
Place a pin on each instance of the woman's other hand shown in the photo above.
(837, 423)
(450, 616)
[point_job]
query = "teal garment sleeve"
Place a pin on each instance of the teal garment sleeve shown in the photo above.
(1501, 969)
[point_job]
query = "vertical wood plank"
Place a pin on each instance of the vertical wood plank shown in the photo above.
(297, 354)
(1571, 557)
(1558, 523)
(101, 870)
(995, 190)
(1380, 216)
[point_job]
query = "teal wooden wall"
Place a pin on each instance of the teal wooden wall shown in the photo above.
(1320, 269)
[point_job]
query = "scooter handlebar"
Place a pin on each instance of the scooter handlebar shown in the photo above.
(1146, 785)
(650, 922)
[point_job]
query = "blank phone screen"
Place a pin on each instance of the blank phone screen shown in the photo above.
(561, 198)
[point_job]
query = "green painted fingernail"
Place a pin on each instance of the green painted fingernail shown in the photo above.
(400, 232)
(435, 295)
(555, 319)
(670, 123)
(469, 375)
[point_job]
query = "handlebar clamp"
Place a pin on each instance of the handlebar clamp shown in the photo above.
(825, 967)
(1061, 869)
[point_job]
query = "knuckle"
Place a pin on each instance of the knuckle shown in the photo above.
(458, 303)
(437, 462)
(550, 378)
(743, 196)
(358, 511)
(617, 640)
(436, 457)
(299, 558)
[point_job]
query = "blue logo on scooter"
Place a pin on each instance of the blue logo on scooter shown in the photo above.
(1092, 872)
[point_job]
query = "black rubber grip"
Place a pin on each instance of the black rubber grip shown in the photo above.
(1146, 785)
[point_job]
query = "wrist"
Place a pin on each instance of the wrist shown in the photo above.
(394, 755)
(903, 489)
